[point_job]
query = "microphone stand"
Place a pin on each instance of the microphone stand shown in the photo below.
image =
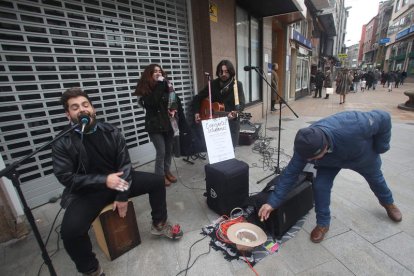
(11, 173)
(281, 101)
(209, 96)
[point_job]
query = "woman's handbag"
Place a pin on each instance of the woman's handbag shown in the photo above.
(329, 90)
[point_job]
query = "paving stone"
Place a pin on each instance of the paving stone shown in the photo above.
(331, 268)
(400, 248)
(361, 257)
(300, 254)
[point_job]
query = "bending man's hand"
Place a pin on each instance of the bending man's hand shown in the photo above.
(122, 207)
(265, 211)
(115, 182)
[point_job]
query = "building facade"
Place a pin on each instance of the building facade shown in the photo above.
(352, 58)
(399, 52)
(103, 46)
(369, 45)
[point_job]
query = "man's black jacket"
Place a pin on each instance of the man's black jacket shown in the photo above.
(71, 163)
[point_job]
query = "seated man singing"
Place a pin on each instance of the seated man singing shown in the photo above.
(94, 166)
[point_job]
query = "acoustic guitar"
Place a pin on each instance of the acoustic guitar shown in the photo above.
(218, 110)
(216, 107)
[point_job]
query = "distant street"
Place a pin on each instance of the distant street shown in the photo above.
(367, 100)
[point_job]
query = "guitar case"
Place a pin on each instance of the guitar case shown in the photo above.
(191, 140)
(296, 204)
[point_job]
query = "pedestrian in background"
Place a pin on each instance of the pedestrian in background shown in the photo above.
(391, 80)
(383, 78)
(363, 84)
(403, 76)
(356, 81)
(275, 87)
(319, 78)
(377, 77)
(343, 82)
(328, 82)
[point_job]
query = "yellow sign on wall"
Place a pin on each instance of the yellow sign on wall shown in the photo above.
(213, 12)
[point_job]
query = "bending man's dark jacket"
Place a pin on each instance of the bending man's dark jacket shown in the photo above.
(355, 140)
(77, 178)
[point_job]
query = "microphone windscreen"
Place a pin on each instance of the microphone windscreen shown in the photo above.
(84, 119)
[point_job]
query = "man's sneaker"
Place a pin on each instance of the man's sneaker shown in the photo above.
(167, 230)
(97, 272)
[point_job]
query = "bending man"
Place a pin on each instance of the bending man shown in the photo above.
(347, 140)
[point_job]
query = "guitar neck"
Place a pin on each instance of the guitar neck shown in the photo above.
(220, 113)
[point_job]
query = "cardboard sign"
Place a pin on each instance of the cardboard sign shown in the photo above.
(218, 139)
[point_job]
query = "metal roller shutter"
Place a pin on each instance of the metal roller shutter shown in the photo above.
(102, 46)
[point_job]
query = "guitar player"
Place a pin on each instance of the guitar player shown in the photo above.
(227, 93)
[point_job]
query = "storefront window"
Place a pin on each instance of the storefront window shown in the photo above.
(410, 69)
(302, 73)
(248, 53)
(305, 78)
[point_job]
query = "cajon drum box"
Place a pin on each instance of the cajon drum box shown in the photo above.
(116, 235)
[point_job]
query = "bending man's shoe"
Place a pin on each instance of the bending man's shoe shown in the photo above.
(393, 212)
(318, 233)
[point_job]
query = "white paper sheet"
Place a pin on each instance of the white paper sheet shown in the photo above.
(218, 139)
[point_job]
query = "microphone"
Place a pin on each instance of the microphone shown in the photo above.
(207, 73)
(249, 67)
(84, 120)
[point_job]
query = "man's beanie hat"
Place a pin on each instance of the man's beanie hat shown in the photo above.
(310, 141)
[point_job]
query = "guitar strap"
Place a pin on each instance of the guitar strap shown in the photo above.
(236, 93)
(226, 87)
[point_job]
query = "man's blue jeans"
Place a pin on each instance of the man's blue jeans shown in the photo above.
(322, 187)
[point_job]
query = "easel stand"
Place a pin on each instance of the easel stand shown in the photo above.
(281, 101)
(11, 173)
(194, 157)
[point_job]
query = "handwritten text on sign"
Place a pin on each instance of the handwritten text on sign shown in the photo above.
(218, 139)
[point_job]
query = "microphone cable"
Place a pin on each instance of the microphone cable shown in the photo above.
(180, 180)
(188, 267)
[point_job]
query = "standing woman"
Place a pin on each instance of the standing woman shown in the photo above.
(343, 82)
(156, 94)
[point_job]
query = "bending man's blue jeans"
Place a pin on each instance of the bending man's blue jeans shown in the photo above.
(323, 183)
